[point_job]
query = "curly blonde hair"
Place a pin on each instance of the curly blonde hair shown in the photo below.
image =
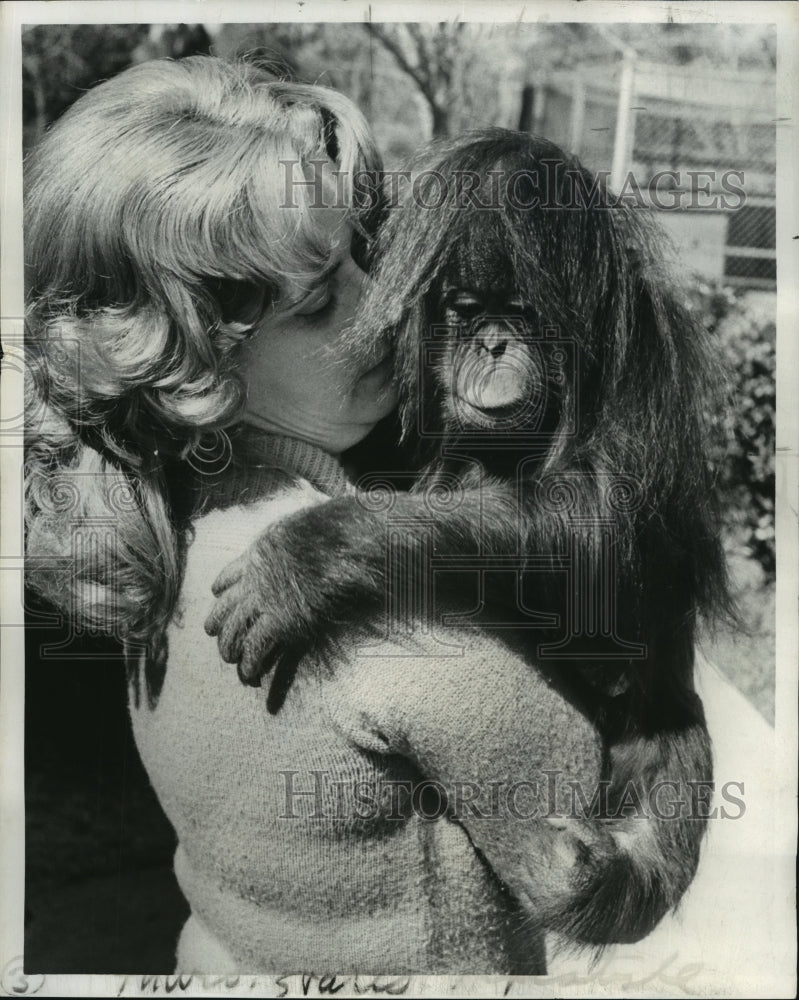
(161, 221)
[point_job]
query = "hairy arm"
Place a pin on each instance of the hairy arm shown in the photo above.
(325, 566)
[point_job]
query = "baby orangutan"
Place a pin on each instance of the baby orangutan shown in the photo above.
(554, 386)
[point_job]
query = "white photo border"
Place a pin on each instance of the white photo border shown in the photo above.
(778, 981)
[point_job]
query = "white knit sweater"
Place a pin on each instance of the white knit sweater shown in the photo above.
(351, 877)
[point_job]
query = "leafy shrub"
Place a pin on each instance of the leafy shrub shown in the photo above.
(746, 337)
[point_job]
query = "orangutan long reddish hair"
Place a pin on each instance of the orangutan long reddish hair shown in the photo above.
(556, 389)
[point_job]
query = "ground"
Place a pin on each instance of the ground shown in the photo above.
(748, 656)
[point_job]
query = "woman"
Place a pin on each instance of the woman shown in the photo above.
(189, 233)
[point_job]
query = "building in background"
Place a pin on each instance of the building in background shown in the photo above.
(695, 134)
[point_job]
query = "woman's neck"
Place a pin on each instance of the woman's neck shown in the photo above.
(249, 464)
(297, 457)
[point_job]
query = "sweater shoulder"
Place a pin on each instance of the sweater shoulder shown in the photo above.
(222, 535)
(457, 701)
(237, 526)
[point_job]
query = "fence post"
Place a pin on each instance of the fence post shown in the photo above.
(578, 114)
(621, 142)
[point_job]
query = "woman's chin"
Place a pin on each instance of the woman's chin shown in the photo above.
(335, 434)
(340, 438)
(375, 387)
(375, 397)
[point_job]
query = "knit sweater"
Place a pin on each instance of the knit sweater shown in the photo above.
(371, 825)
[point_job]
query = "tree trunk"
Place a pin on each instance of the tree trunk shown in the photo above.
(527, 112)
(41, 119)
(440, 120)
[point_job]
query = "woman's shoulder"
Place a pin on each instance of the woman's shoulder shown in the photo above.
(233, 527)
(221, 535)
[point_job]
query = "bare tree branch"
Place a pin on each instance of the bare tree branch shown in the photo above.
(424, 46)
(391, 45)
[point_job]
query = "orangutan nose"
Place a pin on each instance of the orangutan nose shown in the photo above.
(494, 340)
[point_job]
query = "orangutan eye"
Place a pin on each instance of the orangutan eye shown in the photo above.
(518, 307)
(466, 305)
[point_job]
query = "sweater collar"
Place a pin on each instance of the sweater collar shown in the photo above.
(300, 458)
(259, 462)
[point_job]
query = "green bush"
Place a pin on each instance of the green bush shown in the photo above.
(745, 334)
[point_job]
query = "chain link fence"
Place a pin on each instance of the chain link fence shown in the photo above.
(695, 145)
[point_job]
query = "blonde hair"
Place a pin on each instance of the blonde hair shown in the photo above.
(157, 233)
